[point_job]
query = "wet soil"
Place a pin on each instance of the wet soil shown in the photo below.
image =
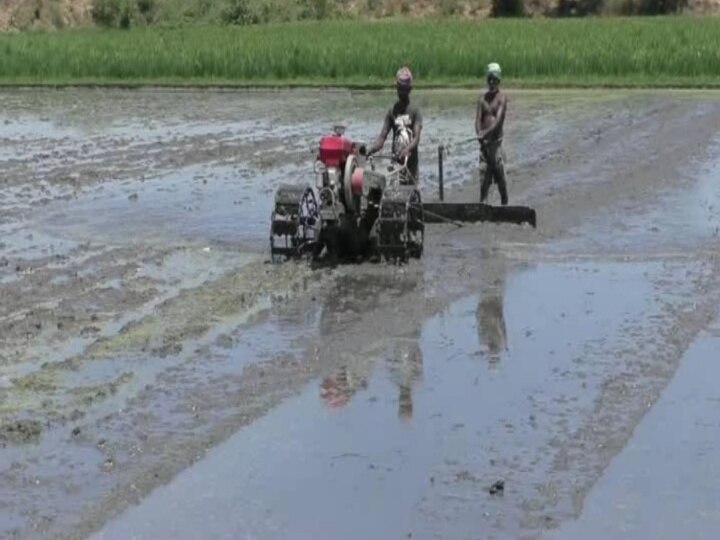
(159, 379)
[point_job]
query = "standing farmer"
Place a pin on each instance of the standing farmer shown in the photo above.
(489, 120)
(405, 121)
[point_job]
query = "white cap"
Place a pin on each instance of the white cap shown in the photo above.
(494, 69)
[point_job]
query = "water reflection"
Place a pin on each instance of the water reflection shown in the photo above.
(490, 314)
(370, 301)
(405, 364)
(338, 388)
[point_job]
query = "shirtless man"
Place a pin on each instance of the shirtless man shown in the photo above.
(489, 120)
(405, 121)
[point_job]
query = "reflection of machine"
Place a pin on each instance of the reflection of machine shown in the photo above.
(369, 301)
(404, 363)
(351, 211)
(337, 389)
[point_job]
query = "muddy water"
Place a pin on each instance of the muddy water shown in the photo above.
(644, 492)
(160, 380)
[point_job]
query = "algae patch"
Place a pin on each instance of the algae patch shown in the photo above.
(19, 432)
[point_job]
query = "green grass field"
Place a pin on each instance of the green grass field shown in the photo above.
(667, 51)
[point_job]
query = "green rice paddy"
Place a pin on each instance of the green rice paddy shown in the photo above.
(652, 51)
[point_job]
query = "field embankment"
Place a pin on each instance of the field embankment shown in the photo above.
(590, 52)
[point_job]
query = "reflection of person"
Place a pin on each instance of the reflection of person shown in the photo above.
(490, 315)
(491, 323)
(405, 365)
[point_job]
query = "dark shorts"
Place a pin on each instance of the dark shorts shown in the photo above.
(494, 153)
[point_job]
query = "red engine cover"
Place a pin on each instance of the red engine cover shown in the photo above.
(334, 150)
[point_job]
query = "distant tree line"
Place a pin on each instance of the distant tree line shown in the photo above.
(122, 13)
(582, 8)
(130, 13)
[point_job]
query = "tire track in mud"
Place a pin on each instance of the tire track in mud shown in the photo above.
(658, 163)
(234, 401)
(574, 440)
(206, 410)
(163, 331)
(638, 373)
(136, 392)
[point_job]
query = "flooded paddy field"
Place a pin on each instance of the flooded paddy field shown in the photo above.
(160, 379)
